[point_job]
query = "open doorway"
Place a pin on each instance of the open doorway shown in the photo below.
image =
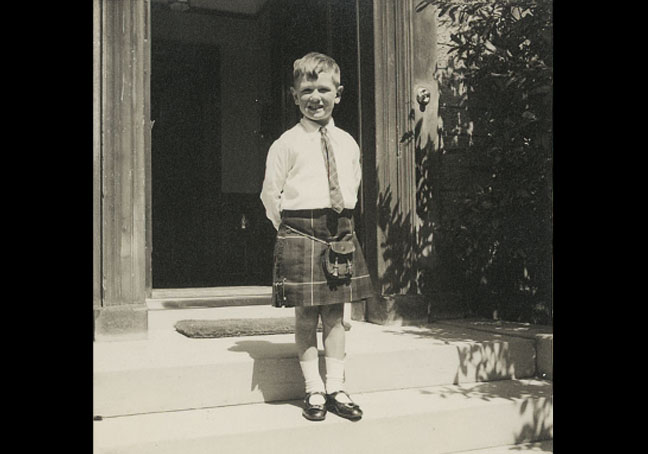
(220, 72)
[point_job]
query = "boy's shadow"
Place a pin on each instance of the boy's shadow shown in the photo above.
(276, 372)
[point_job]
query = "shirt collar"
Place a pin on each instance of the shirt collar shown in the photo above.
(312, 126)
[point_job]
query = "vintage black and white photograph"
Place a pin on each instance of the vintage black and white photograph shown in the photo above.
(322, 226)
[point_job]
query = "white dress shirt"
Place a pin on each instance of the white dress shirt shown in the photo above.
(296, 176)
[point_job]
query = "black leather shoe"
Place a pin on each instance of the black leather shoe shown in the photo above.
(314, 412)
(349, 410)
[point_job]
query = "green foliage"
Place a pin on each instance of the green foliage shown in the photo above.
(500, 243)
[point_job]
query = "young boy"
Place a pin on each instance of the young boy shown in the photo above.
(309, 193)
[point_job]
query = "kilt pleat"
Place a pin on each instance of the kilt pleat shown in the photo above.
(298, 274)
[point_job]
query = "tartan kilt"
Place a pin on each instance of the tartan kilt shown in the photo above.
(298, 274)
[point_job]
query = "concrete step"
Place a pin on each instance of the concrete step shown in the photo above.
(192, 298)
(435, 420)
(170, 372)
(524, 448)
(161, 320)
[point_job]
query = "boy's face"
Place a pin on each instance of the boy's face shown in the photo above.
(316, 98)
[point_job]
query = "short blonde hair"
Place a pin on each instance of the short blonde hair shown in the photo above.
(313, 63)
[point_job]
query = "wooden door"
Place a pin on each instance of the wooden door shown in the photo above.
(203, 236)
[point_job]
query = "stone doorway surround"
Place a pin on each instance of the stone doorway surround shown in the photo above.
(392, 65)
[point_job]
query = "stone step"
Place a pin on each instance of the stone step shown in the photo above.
(524, 448)
(196, 298)
(434, 420)
(170, 372)
(161, 320)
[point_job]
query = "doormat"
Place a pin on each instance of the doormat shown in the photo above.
(239, 327)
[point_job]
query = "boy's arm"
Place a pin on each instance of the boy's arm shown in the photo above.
(357, 168)
(273, 182)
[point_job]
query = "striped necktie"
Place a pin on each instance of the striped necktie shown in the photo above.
(337, 202)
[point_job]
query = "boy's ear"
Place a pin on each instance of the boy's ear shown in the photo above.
(338, 94)
(294, 95)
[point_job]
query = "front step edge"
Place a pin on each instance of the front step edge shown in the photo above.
(435, 420)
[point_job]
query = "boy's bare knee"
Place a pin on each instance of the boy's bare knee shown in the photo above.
(332, 315)
(306, 318)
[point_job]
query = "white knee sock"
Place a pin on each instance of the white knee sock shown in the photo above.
(334, 374)
(312, 378)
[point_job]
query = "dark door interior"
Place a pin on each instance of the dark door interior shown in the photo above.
(206, 232)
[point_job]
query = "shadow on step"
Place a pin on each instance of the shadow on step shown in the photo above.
(275, 373)
(534, 397)
(481, 355)
(445, 333)
(261, 349)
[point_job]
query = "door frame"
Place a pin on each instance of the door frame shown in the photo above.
(404, 61)
(121, 190)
